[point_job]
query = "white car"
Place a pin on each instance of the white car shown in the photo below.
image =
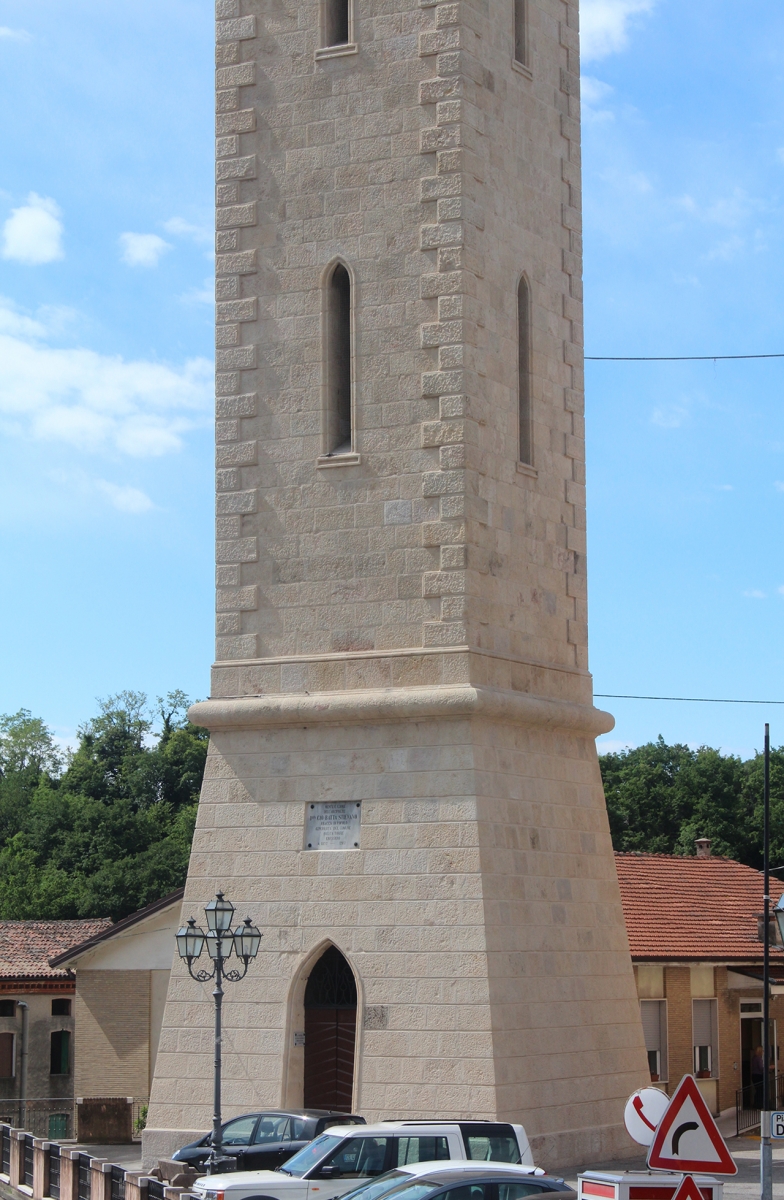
(349, 1155)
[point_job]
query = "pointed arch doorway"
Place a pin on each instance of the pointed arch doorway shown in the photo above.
(330, 1033)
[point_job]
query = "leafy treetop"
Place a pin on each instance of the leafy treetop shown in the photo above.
(661, 798)
(106, 828)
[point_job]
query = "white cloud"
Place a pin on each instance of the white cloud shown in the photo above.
(604, 25)
(780, 591)
(725, 487)
(126, 499)
(203, 295)
(779, 485)
(14, 35)
(670, 416)
(33, 233)
(611, 746)
(142, 249)
(95, 402)
(594, 93)
(731, 248)
(181, 228)
(755, 594)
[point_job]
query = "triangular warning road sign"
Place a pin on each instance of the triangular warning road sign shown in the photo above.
(688, 1190)
(687, 1137)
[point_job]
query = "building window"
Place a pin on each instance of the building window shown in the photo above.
(60, 1054)
(705, 1038)
(339, 431)
(61, 1008)
(337, 22)
(7, 1056)
(654, 1027)
(525, 449)
(521, 32)
(7, 1008)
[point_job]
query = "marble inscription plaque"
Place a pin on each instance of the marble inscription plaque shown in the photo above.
(333, 825)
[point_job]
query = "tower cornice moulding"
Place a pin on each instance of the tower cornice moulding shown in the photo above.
(398, 704)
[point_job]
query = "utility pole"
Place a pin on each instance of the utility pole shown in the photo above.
(766, 1150)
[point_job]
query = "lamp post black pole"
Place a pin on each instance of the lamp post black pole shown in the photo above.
(217, 1121)
(766, 1151)
(220, 942)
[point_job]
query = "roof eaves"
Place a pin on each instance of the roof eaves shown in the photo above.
(642, 956)
(125, 923)
(29, 976)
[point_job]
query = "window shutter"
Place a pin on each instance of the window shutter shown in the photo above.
(6, 1055)
(650, 1010)
(702, 1022)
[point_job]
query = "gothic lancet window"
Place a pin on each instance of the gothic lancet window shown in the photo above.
(339, 362)
(520, 32)
(336, 22)
(524, 372)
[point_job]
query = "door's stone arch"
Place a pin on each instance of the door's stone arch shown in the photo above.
(324, 1032)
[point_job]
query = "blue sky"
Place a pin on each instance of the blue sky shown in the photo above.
(106, 344)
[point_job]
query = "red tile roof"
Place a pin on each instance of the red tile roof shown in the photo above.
(693, 908)
(27, 946)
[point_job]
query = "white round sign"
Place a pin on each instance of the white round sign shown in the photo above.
(644, 1109)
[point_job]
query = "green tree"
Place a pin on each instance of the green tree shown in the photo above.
(111, 831)
(27, 754)
(661, 798)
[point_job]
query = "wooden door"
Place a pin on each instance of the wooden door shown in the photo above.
(330, 1035)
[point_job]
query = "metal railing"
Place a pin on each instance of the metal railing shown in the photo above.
(747, 1100)
(54, 1172)
(155, 1189)
(42, 1157)
(117, 1183)
(84, 1180)
(50, 1117)
(27, 1159)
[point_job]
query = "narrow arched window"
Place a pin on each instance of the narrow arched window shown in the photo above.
(339, 361)
(521, 39)
(336, 22)
(524, 372)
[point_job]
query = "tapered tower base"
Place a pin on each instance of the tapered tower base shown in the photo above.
(480, 914)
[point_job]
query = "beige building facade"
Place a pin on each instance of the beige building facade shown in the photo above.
(401, 584)
(121, 977)
(695, 929)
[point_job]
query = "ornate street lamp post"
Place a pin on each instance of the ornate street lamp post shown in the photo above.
(220, 940)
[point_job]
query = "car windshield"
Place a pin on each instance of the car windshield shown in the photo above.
(415, 1189)
(379, 1187)
(309, 1155)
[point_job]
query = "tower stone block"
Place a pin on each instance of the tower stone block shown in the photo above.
(401, 577)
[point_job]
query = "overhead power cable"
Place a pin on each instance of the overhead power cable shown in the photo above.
(682, 699)
(675, 357)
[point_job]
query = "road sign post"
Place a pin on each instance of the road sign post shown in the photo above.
(687, 1138)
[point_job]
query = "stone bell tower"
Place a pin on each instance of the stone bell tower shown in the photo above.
(402, 771)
